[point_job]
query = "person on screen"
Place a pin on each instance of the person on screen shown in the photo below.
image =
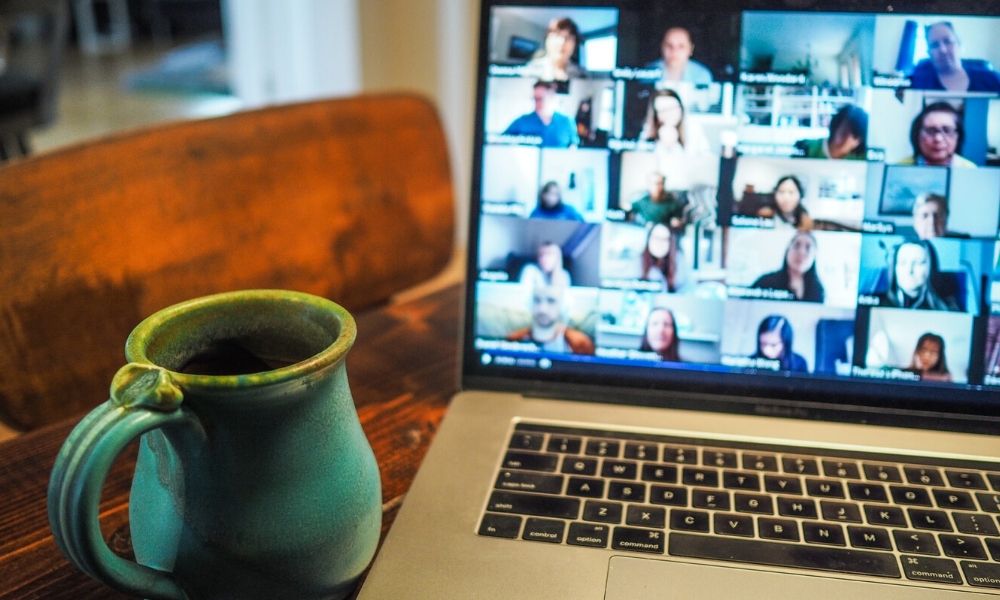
(557, 61)
(548, 328)
(785, 204)
(675, 60)
(936, 135)
(547, 269)
(798, 273)
(911, 279)
(847, 140)
(666, 125)
(660, 335)
(555, 128)
(657, 205)
(660, 260)
(929, 360)
(774, 342)
(551, 206)
(930, 217)
(945, 69)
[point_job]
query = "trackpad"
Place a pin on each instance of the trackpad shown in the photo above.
(644, 579)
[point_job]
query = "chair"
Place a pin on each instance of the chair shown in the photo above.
(34, 33)
(349, 199)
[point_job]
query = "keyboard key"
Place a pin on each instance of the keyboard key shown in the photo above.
(564, 445)
(840, 560)
(730, 524)
(741, 480)
(869, 537)
(646, 516)
(630, 492)
(975, 523)
(679, 455)
(840, 511)
(989, 502)
(883, 473)
(802, 508)
(753, 503)
(981, 574)
(530, 461)
(923, 475)
(638, 540)
(778, 529)
(953, 499)
(867, 492)
(602, 512)
(620, 469)
(915, 542)
(701, 477)
(823, 533)
(910, 496)
(659, 473)
(962, 546)
(824, 488)
(503, 526)
(579, 466)
(585, 486)
(799, 465)
(544, 530)
(688, 520)
(711, 499)
(760, 462)
(936, 520)
(603, 448)
(718, 458)
(668, 495)
(884, 515)
(965, 479)
(531, 504)
(841, 468)
(526, 441)
(526, 481)
(993, 545)
(587, 534)
(780, 484)
(938, 570)
(994, 480)
(641, 451)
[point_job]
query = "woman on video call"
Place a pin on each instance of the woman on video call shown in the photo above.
(551, 206)
(547, 270)
(660, 259)
(667, 125)
(785, 204)
(774, 342)
(660, 335)
(928, 359)
(937, 135)
(911, 279)
(798, 273)
(557, 62)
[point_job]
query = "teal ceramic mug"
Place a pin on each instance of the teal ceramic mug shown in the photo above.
(254, 478)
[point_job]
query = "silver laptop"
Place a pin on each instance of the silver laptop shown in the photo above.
(732, 323)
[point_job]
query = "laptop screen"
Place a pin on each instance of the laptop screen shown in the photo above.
(740, 200)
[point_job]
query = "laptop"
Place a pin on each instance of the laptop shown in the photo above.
(732, 324)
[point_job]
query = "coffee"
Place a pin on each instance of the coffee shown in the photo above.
(232, 357)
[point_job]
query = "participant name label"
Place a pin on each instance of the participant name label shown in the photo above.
(763, 293)
(751, 362)
(774, 78)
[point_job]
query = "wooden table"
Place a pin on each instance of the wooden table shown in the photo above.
(403, 370)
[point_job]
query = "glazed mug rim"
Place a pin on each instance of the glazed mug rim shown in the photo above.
(139, 340)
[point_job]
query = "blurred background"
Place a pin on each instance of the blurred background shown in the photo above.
(73, 70)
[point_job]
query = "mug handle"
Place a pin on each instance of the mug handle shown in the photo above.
(143, 398)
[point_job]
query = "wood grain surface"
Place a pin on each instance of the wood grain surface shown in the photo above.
(350, 199)
(403, 370)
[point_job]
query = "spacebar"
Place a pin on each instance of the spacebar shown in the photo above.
(842, 560)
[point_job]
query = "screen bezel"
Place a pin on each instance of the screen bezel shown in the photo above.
(830, 398)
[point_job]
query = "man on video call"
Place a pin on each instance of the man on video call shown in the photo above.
(657, 205)
(676, 49)
(555, 129)
(547, 328)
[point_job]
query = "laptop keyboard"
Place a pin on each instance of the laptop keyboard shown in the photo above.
(870, 514)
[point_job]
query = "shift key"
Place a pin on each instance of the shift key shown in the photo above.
(530, 504)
